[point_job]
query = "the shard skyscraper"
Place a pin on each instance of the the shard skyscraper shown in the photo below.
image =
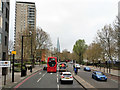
(58, 45)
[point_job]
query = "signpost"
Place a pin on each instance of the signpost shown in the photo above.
(13, 52)
(5, 63)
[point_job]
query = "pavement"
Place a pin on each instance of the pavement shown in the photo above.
(17, 77)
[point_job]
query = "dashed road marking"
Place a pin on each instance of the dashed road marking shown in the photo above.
(57, 80)
(41, 77)
(58, 86)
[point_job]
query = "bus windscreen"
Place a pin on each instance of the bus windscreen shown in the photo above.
(52, 63)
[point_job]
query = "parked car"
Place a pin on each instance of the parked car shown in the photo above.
(77, 66)
(99, 76)
(87, 69)
(66, 77)
(45, 67)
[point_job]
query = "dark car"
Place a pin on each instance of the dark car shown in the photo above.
(45, 67)
(62, 67)
(99, 76)
(87, 69)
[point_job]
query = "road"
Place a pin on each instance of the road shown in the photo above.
(87, 76)
(42, 79)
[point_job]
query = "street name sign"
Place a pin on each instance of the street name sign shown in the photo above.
(4, 63)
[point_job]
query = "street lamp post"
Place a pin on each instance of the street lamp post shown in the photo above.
(22, 57)
(10, 61)
(22, 52)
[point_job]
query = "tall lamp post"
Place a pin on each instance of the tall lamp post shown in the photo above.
(22, 51)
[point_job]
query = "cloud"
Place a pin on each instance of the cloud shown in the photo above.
(71, 20)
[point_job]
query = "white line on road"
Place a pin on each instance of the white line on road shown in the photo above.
(39, 80)
(58, 86)
(41, 77)
(57, 80)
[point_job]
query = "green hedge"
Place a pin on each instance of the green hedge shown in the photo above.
(17, 64)
(44, 62)
(28, 63)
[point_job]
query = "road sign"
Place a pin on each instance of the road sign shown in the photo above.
(13, 52)
(4, 63)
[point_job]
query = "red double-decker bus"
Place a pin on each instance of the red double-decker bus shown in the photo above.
(52, 64)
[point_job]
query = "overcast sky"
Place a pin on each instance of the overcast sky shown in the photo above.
(70, 20)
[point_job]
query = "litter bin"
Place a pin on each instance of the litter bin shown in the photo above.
(24, 70)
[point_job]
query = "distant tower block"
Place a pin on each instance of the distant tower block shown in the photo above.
(58, 45)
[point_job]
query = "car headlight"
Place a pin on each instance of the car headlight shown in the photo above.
(98, 76)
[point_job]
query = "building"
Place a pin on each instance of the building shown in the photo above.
(25, 18)
(58, 45)
(4, 35)
(4, 29)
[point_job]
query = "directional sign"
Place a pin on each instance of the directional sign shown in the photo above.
(13, 52)
(4, 63)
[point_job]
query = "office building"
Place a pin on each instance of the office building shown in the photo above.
(4, 36)
(4, 29)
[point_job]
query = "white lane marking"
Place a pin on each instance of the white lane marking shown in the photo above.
(41, 77)
(57, 80)
(50, 73)
(39, 80)
(58, 86)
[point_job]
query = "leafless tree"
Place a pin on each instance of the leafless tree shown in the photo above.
(43, 40)
(107, 41)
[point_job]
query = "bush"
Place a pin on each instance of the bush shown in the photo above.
(83, 63)
(37, 63)
(17, 64)
(28, 62)
(44, 62)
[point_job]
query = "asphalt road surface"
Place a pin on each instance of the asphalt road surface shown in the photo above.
(87, 76)
(42, 79)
